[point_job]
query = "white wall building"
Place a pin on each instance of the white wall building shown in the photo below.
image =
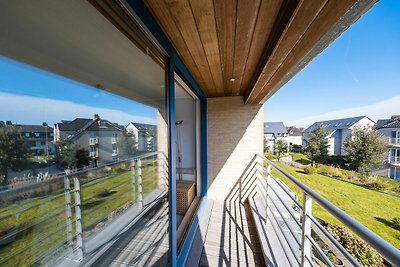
(338, 130)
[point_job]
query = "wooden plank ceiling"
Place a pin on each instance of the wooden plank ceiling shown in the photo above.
(249, 48)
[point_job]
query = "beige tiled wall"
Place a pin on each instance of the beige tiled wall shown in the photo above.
(235, 134)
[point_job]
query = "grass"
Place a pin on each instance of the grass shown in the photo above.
(300, 158)
(373, 209)
(102, 198)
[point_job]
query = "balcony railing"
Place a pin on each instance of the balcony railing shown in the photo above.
(114, 153)
(93, 141)
(293, 224)
(94, 154)
(75, 216)
(114, 140)
(394, 160)
(394, 141)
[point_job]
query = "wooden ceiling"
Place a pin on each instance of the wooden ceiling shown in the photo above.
(251, 47)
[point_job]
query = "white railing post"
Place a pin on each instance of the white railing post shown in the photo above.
(68, 213)
(306, 246)
(78, 218)
(133, 169)
(268, 194)
(139, 180)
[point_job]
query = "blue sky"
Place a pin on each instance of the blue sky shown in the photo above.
(358, 74)
(29, 95)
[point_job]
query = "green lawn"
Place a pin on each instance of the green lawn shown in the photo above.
(300, 158)
(101, 199)
(371, 208)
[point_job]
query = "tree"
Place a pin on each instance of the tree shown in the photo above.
(69, 155)
(365, 149)
(126, 145)
(266, 145)
(317, 145)
(281, 148)
(13, 151)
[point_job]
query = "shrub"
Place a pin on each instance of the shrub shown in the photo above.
(380, 186)
(310, 170)
(395, 223)
(270, 156)
(360, 250)
(368, 179)
(353, 176)
(334, 172)
(323, 169)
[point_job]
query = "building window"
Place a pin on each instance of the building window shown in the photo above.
(36, 134)
(114, 138)
(26, 134)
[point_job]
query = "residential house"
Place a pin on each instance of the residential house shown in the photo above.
(98, 136)
(274, 131)
(231, 57)
(144, 135)
(38, 137)
(295, 138)
(390, 129)
(337, 132)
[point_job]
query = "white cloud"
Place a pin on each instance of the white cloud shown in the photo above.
(380, 110)
(30, 109)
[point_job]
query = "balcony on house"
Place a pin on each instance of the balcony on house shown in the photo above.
(394, 141)
(394, 160)
(93, 141)
(94, 154)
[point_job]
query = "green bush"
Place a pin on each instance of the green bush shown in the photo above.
(380, 186)
(270, 156)
(360, 250)
(310, 170)
(334, 172)
(395, 223)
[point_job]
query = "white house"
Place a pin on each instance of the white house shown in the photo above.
(143, 135)
(273, 131)
(390, 128)
(338, 130)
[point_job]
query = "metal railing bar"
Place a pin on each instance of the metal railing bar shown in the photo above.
(78, 172)
(284, 236)
(286, 207)
(388, 251)
(285, 221)
(320, 252)
(336, 243)
(31, 244)
(296, 202)
(38, 222)
(250, 190)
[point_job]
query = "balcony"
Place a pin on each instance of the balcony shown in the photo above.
(93, 141)
(94, 154)
(394, 161)
(287, 233)
(114, 140)
(114, 153)
(394, 141)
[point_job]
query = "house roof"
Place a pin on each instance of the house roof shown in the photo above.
(294, 131)
(333, 125)
(274, 127)
(393, 122)
(143, 127)
(74, 125)
(34, 128)
(80, 125)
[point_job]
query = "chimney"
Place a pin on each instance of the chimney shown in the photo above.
(44, 123)
(8, 123)
(96, 116)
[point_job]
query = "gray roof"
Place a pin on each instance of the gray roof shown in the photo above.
(393, 122)
(143, 127)
(34, 128)
(333, 125)
(73, 126)
(274, 128)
